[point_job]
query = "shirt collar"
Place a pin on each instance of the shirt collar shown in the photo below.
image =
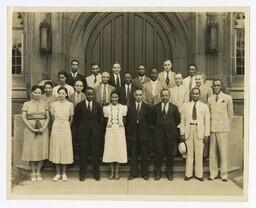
(74, 74)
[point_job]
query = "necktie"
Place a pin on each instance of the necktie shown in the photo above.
(128, 93)
(117, 81)
(141, 79)
(95, 79)
(190, 83)
(89, 106)
(217, 98)
(194, 117)
(167, 79)
(74, 76)
(164, 110)
(104, 95)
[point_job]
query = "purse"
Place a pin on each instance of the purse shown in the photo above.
(38, 126)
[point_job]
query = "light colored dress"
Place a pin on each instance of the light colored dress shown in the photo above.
(61, 148)
(35, 146)
(115, 142)
(49, 99)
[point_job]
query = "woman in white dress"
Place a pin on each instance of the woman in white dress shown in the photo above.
(115, 151)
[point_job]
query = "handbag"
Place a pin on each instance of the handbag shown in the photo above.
(38, 126)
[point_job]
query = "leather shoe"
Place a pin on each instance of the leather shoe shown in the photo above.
(157, 177)
(82, 178)
(97, 177)
(187, 178)
(170, 178)
(131, 177)
(200, 179)
(146, 178)
(211, 178)
(224, 179)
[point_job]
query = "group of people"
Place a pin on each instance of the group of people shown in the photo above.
(108, 113)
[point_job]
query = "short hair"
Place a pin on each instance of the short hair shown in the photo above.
(167, 60)
(63, 88)
(192, 65)
(155, 69)
(105, 72)
(140, 65)
(195, 88)
(74, 60)
(116, 62)
(63, 73)
(215, 80)
(114, 92)
(35, 87)
(94, 63)
(79, 81)
(89, 88)
(164, 89)
(178, 74)
(48, 83)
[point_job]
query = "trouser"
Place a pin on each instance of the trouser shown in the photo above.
(139, 148)
(219, 140)
(195, 147)
(165, 148)
(86, 145)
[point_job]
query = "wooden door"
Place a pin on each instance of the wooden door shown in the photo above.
(130, 39)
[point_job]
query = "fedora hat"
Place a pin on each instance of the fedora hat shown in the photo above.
(182, 148)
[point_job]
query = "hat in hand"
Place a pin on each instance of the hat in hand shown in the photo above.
(182, 148)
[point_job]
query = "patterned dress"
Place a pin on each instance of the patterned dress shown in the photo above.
(61, 149)
(35, 146)
(115, 141)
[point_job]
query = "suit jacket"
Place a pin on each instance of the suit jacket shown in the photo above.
(205, 93)
(148, 97)
(122, 94)
(179, 95)
(221, 112)
(71, 98)
(162, 78)
(165, 125)
(138, 84)
(90, 80)
(87, 122)
(71, 81)
(203, 119)
(98, 92)
(112, 81)
(138, 126)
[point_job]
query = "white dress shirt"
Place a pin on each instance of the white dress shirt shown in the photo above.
(154, 84)
(186, 82)
(115, 76)
(74, 74)
(90, 80)
(166, 107)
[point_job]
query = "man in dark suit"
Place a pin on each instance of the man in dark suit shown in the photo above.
(73, 76)
(141, 79)
(126, 91)
(115, 76)
(88, 120)
(165, 119)
(138, 127)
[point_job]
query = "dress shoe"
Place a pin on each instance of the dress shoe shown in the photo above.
(200, 179)
(169, 177)
(82, 178)
(187, 178)
(224, 179)
(146, 178)
(117, 177)
(157, 177)
(131, 177)
(97, 177)
(211, 178)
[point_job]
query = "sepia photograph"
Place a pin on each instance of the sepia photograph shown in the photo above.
(119, 104)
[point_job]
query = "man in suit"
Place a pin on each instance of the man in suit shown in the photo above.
(126, 91)
(115, 76)
(94, 79)
(167, 76)
(73, 76)
(221, 109)
(194, 130)
(179, 93)
(165, 119)
(152, 89)
(104, 89)
(78, 96)
(141, 79)
(189, 81)
(205, 91)
(138, 127)
(88, 119)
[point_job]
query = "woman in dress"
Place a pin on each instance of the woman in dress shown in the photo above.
(35, 116)
(115, 142)
(61, 149)
(48, 95)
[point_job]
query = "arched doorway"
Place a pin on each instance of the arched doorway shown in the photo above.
(129, 38)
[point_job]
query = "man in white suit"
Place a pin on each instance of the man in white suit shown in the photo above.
(205, 91)
(167, 76)
(104, 89)
(179, 94)
(189, 81)
(195, 130)
(221, 109)
(94, 79)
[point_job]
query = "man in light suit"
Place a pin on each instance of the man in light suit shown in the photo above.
(152, 89)
(221, 109)
(104, 90)
(189, 81)
(205, 91)
(179, 94)
(167, 76)
(195, 130)
(94, 79)
(141, 79)
(116, 77)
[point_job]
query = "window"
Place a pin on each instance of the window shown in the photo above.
(16, 59)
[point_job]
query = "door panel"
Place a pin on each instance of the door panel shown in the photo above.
(130, 39)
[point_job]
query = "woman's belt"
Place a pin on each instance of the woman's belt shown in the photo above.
(36, 118)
